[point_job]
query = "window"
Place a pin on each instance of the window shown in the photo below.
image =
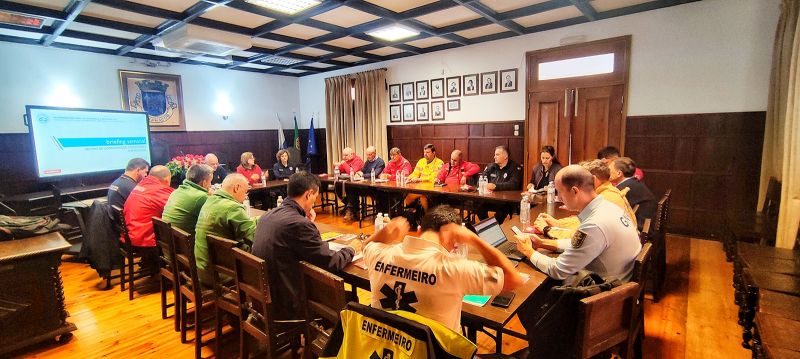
(578, 66)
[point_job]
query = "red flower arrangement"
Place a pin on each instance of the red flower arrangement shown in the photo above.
(178, 165)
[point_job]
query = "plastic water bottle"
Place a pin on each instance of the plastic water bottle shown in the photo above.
(263, 180)
(551, 193)
(246, 204)
(524, 211)
(280, 200)
(352, 174)
(378, 222)
(372, 176)
(398, 178)
(336, 173)
(482, 185)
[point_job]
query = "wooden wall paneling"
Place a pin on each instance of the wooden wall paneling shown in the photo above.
(451, 131)
(476, 130)
(427, 131)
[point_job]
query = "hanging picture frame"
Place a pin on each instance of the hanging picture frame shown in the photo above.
(394, 93)
(454, 105)
(437, 110)
(437, 88)
(408, 91)
(453, 86)
(508, 80)
(489, 82)
(422, 90)
(408, 112)
(471, 85)
(395, 113)
(423, 111)
(158, 95)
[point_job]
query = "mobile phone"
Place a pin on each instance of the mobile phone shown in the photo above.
(516, 230)
(503, 300)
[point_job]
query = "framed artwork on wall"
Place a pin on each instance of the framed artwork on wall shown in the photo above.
(489, 82)
(508, 80)
(471, 85)
(408, 112)
(408, 91)
(158, 95)
(437, 110)
(422, 90)
(454, 105)
(437, 88)
(423, 111)
(394, 93)
(394, 113)
(454, 86)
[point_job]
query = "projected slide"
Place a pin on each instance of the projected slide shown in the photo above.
(69, 142)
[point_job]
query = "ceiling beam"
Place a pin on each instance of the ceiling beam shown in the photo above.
(586, 9)
(33, 10)
(73, 9)
(492, 16)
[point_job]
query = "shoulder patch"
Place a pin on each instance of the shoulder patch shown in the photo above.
(577, 239)
(625, 221)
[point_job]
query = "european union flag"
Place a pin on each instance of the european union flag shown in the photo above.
(312, 140)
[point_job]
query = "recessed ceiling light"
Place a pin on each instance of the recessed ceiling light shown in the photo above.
(393, 33)
(290, 7)
(21, 20)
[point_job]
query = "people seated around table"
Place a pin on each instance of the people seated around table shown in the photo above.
(420, 275)
(185, 203)
(545, 171)
(350, 162)
(223, 215)
(286, 236)
(425, 171)
(503, 175)
(566, 227)
(282, 169)
(219, 172)
(606, 241)
(397, 163)
(121, 188)
(250, 170)
(373, 162)
(623, 170)
(146, 201)
(610, 153)
(457, 171)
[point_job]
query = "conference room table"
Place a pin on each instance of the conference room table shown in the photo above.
(477, 318)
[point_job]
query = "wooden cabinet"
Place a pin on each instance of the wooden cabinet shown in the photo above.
(31, 292)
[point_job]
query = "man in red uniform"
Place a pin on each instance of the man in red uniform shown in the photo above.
(457, 171)
(350, 162)
(397, 163)
(147, 200)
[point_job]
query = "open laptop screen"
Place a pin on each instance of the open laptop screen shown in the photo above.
(490, 232)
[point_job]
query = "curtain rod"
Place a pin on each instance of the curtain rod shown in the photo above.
(356, 73)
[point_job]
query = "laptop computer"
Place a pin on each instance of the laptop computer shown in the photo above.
(490, 232)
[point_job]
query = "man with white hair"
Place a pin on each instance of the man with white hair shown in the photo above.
(350, 163)
(373, 162)
(219, 172)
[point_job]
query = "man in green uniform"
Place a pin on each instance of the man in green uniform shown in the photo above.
(185, 203)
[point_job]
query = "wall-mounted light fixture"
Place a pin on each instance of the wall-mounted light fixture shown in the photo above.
(62, 96)
(223, 106)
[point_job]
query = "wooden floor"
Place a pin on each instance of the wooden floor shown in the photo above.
(696, 318)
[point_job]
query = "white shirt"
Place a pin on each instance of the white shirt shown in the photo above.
(422, 277)
(609, 246)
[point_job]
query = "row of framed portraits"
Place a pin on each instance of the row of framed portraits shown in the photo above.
(423, 111)
(474, 84)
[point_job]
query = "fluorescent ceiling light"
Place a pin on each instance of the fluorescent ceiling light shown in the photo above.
(393, 33)
(21, 20)
(290, 7)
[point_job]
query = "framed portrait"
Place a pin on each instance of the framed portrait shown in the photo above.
(423, 111)
(489, 82)
(159, 95)
(394, 93)
(454, 105)
(408, 91)
(437, 110)
(408, 112)
(437, 88)
(471, 85)
(422, 90)
(395, 113)
(454, 86)
(508, 80)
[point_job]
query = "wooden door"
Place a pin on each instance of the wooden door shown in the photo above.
(597, 120)
(550, 125)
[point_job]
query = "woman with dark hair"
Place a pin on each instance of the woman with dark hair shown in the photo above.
(281, 168)
(545, 171)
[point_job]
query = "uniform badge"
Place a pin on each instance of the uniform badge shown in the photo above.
(505, 175)
(625, 221)
(577, 239)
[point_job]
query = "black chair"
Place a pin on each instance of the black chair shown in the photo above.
(257, 318)
(190, 288)
(759, 227)
(640, 273)
(658, 236)
(132, 256)
(166, 246)
(221, 262)
(368, 208)
(324, 297)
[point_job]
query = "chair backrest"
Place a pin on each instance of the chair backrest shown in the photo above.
(323, 296)
(121, 227)
(636, 207)
(221, 262)
(645, 235)
(662, 213)
(163, 233)
(772, 199)
(642, 264)
(252, 282)
(185, 263)
(605, 319)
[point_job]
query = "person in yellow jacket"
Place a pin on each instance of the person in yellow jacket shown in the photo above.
(425, 171)
(565, 227)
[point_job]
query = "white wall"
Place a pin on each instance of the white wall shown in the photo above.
(703, 57)
(31, 74)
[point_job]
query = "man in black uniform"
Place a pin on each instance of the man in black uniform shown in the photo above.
(287, 235)
(504, 175)
(219, 172)
(121, 187)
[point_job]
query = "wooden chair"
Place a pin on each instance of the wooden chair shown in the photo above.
(641, 268)
(776, 333)
(658, 236)
(324, 296)
(166, 246)
(190, 288)
(132, 257)
(605, 320)
(221, 261)
(754, 282)
(257, 319)
(754, 227)
(368, 208)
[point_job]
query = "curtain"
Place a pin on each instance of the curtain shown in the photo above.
(340, 126)
(371, 109)
(781, 154)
